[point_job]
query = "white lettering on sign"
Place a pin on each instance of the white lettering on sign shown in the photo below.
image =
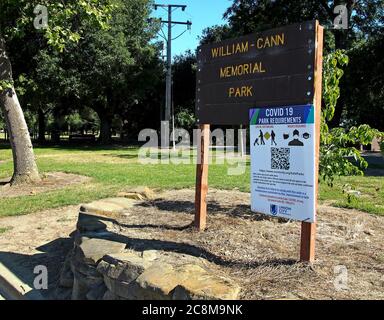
(279, 112)
(274, 112)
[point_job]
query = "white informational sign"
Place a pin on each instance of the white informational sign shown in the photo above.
(283, 162)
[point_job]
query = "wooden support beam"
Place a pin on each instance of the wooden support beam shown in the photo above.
(307, 247)
(202, 178)
(308, 230)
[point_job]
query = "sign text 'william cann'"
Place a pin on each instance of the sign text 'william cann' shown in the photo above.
(275, 67)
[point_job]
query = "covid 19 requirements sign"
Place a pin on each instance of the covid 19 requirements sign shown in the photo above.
(283, 162)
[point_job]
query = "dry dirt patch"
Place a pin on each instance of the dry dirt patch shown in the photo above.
(260, 253)
(50, 182)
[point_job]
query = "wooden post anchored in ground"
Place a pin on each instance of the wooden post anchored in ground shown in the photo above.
(308, 230)
(202, 178)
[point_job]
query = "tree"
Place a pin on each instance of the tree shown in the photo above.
(25, 168)
(217, 33)
(59, 89)
(16, 17)
(42, 84)
(337, 144)
(364, 17)
(117, 67)
(184, 92)
(184, 81)
(363, 86)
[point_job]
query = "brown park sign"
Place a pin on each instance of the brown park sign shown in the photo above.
(271, 68)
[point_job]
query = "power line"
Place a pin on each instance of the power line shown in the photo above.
(170, 8)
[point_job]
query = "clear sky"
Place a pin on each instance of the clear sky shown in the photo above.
(202, 13)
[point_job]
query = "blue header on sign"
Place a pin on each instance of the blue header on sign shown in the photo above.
(282, 115)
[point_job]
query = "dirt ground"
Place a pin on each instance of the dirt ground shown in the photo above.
(50, 181)
(259, 252)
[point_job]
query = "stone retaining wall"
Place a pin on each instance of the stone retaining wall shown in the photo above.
(103, 267)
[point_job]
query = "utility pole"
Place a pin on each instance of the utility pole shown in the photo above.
(168, 94)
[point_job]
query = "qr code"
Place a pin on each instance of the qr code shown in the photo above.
(280, 158)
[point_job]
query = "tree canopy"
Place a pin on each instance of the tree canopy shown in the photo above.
(17, 19)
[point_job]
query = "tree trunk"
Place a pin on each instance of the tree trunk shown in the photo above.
(25, 168)
(42, 127)
(105, 129)
(56, 130)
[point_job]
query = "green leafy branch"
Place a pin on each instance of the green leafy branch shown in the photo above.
(339, 153)
(65, 18)
(5, 85)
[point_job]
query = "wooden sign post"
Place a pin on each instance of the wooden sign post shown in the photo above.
(279, 67)
(202, 178)
(308, 230)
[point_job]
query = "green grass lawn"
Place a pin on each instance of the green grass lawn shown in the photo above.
(115, 168)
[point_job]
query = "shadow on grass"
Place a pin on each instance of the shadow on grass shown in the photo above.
(374, 172)
(122, 156)
(4, 182)
(77, 146)
(375, 164)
